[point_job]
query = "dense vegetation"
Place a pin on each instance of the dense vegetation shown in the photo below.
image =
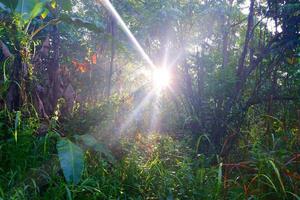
(173, 99)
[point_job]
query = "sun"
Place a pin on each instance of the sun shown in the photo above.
(161, 78)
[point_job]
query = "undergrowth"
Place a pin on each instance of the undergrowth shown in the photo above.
(153, 166)
(149, 165)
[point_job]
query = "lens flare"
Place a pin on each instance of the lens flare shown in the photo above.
(161, 78)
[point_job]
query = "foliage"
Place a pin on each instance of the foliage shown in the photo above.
(160, 167)
(71, 160)
(80, 119)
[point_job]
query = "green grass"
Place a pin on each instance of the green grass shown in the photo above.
(152, 167)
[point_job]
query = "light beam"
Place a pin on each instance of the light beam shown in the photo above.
(115, 14)
(136, 112)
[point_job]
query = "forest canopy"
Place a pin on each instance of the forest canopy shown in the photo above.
(137, 99)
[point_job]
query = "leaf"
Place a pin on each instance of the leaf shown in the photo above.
(95, 145)
(292, 60)
(17, 124)
(82, 67)
(204, 136)
(71, 159)
(29, 9)
(37, 9)
(53, 4)
(45, 14)
(278, 175)
(5, 76)
(69, 194)
(94, 59)
(270, 181)
(294, 195)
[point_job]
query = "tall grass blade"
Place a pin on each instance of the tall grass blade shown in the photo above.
(278, 175)
(69, 194)
(17, 125)
(294, 195)
(201, 137)
(219, 183)
(270, 181)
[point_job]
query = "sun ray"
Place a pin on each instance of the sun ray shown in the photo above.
(118, 18)
(136, 111)
(155, 115)
(161, 76)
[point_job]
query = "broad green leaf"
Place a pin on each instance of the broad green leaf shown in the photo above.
(71, 159)
(29, 9)
(37, 9)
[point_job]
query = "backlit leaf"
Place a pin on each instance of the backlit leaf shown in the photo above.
(37, 9)
(44, 14)
(81, 67)
(94, 59)
(53, 4)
